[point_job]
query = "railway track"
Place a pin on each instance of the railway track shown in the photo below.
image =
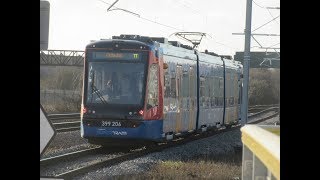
(256, 121)
(141, 152)
(76, 116)
(133, 154)
(67, 126)
(73, 122)
(65, 122)
(67, 156)
(258, 108)
(260, 113)
(64, 116)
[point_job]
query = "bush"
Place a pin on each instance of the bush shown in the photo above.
(60, 79)
(264, 86)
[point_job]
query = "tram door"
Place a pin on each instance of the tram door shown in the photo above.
(192, 100)
(228, 92)
(186, 102)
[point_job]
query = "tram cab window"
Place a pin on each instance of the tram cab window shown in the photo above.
(153, 87)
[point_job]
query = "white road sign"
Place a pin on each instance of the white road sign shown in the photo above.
(46, 130)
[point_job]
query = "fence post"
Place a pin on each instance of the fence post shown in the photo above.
(246, 163)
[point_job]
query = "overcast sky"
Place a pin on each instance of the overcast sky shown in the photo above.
(73, 23)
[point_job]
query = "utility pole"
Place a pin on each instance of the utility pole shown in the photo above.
(44, 24)
(246, 60)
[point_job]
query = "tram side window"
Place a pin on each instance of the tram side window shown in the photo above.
(216, 90)
(226, 101)
(221, 101)
(217, 101)
(202, 91)
(185, 85)
(153, 87)
(191, 83)
(167, 84)
(202, 79)
(221, 82)
(207, 92)
(236, 89)
(173, 88)
(231, 101)
(212, 89)
(239, 97)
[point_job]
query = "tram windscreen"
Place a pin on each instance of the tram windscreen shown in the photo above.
(115, 82)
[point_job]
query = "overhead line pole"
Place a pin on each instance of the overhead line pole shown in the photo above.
(246, 60)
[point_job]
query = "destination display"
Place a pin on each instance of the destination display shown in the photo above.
(116, 56)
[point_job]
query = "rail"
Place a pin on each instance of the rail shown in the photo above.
(77, 115)
(75, 125)
(138, 153)
(264, 105)
(263, 111)
(261, 152)
(64, 116)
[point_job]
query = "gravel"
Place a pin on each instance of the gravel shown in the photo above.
(220, 144)
(66, 142)
(216, 145)
(67, 165)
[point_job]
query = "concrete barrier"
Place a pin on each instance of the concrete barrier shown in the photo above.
(261, 152)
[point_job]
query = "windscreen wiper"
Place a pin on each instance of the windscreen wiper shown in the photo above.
(95, 90)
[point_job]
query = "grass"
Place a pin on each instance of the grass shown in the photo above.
(222, 167)
(62, 104)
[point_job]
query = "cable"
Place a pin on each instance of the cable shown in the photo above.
(194, 10)
(146, 18)
(272, 16)
(161, 24)
(273, 45)
(256, 41)
(267, 8)
(266, 23)
(258, 4)
(231, 49)
(224, 45)
(169, 26)
(264, 6)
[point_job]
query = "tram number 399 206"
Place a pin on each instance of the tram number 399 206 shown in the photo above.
(111, 123)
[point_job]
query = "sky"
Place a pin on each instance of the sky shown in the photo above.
(74, 23)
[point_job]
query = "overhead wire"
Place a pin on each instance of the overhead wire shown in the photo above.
(168, 26)
(257, 4)
(266, 9)
(194, 10)
(265, 23)
(165, 25)
(274, 45)
(272, 16)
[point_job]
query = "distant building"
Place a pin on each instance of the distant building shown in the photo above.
(261, 59)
